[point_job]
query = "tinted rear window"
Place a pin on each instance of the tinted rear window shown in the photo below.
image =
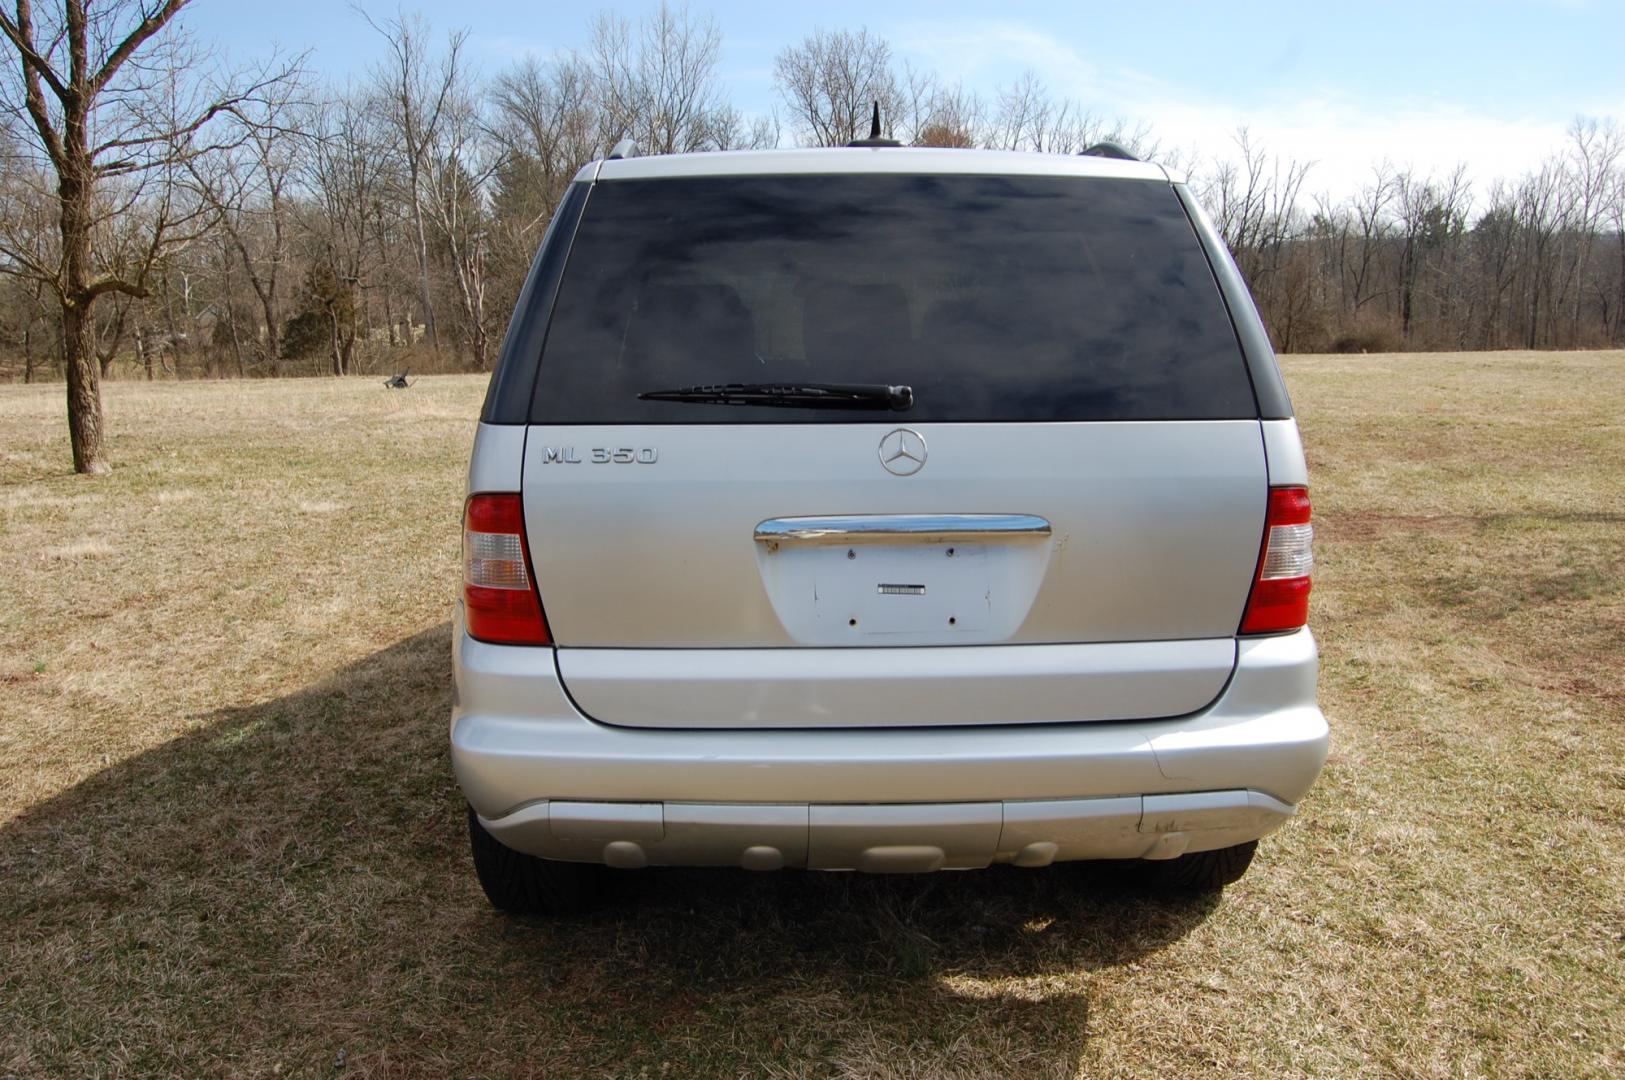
(995, 298)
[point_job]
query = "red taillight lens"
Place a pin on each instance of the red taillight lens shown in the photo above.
(1280, 597)
(499, 597)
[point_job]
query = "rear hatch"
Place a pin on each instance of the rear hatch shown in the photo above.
(1062, 526)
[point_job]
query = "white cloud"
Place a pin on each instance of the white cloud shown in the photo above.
(973, 51)
(1346, 140)
(1344, 136)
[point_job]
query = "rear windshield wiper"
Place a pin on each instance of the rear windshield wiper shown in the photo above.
(792, 395)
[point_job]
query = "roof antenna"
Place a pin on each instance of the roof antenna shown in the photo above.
(874, 138)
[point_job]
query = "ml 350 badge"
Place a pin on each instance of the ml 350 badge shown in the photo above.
(600, 455)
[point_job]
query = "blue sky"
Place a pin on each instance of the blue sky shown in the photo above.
(1425, 84)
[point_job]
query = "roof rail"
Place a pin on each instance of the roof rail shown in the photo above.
(874, 138)
(624, 149)
(1108, 150)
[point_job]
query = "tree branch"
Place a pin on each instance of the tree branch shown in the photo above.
(21, 34)
(20, 263)
(174, 134)
(111, 283)
(148, 26)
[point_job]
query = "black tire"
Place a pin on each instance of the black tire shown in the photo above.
(1200, 871)
(526, 885)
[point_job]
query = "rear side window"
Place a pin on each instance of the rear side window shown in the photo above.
(995, 298)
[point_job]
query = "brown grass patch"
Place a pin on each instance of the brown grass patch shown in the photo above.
(79, 549)
(230, 842)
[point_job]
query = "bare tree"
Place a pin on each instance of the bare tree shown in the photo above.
(114, 113)
(248, 189)
(1431, 216)
(1613, 306)
(830, 82)
(1254, 203)
(465, 163)
(414, 92)
(1542, 217)
(343, 220)
(1026, 117)
(1371, 208)
(731, 131)
(550, 115)
(948, 116)
(1594, 156)
(1022, 118)
(658, 86)
(29, 225)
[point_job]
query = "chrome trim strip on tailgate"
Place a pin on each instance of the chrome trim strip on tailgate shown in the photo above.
(918, 528)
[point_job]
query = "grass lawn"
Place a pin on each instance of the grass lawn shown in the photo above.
(230, 842)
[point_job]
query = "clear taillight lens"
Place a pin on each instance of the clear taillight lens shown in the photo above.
(494, 561)
(1289, 553)
(1280, 596)
(499, 598)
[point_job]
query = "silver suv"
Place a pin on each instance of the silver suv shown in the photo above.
(881, 509)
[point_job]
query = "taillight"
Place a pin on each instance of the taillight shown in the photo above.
(499, 597)
(1280, 597)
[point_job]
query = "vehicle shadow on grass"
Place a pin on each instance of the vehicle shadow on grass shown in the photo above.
(291, 880)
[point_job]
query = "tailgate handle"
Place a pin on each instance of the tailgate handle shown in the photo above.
(904, 528)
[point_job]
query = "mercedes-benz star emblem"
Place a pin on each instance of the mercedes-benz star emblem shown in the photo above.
(902, 452)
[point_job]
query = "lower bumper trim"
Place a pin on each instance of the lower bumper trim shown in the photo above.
(888, 838)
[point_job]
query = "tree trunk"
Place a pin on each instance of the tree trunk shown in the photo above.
(1534, 311)
(84, 393)
(273, 332)
(141, 349)
(389, 318)
(426, 297)
(172, 326)
(333, 343)
(1407, 286)
(1614, 336)
(78, 326)
(265, 292)
(471, 289)
(237, 354)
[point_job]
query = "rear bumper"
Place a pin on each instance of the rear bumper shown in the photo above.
(889, 837)
(547, 780)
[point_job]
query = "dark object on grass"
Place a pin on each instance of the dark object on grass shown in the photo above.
(398, 382)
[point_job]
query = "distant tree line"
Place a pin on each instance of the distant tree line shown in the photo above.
(1428, 262)
(162, 215)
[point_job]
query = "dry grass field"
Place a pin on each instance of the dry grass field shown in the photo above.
(230, 843)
